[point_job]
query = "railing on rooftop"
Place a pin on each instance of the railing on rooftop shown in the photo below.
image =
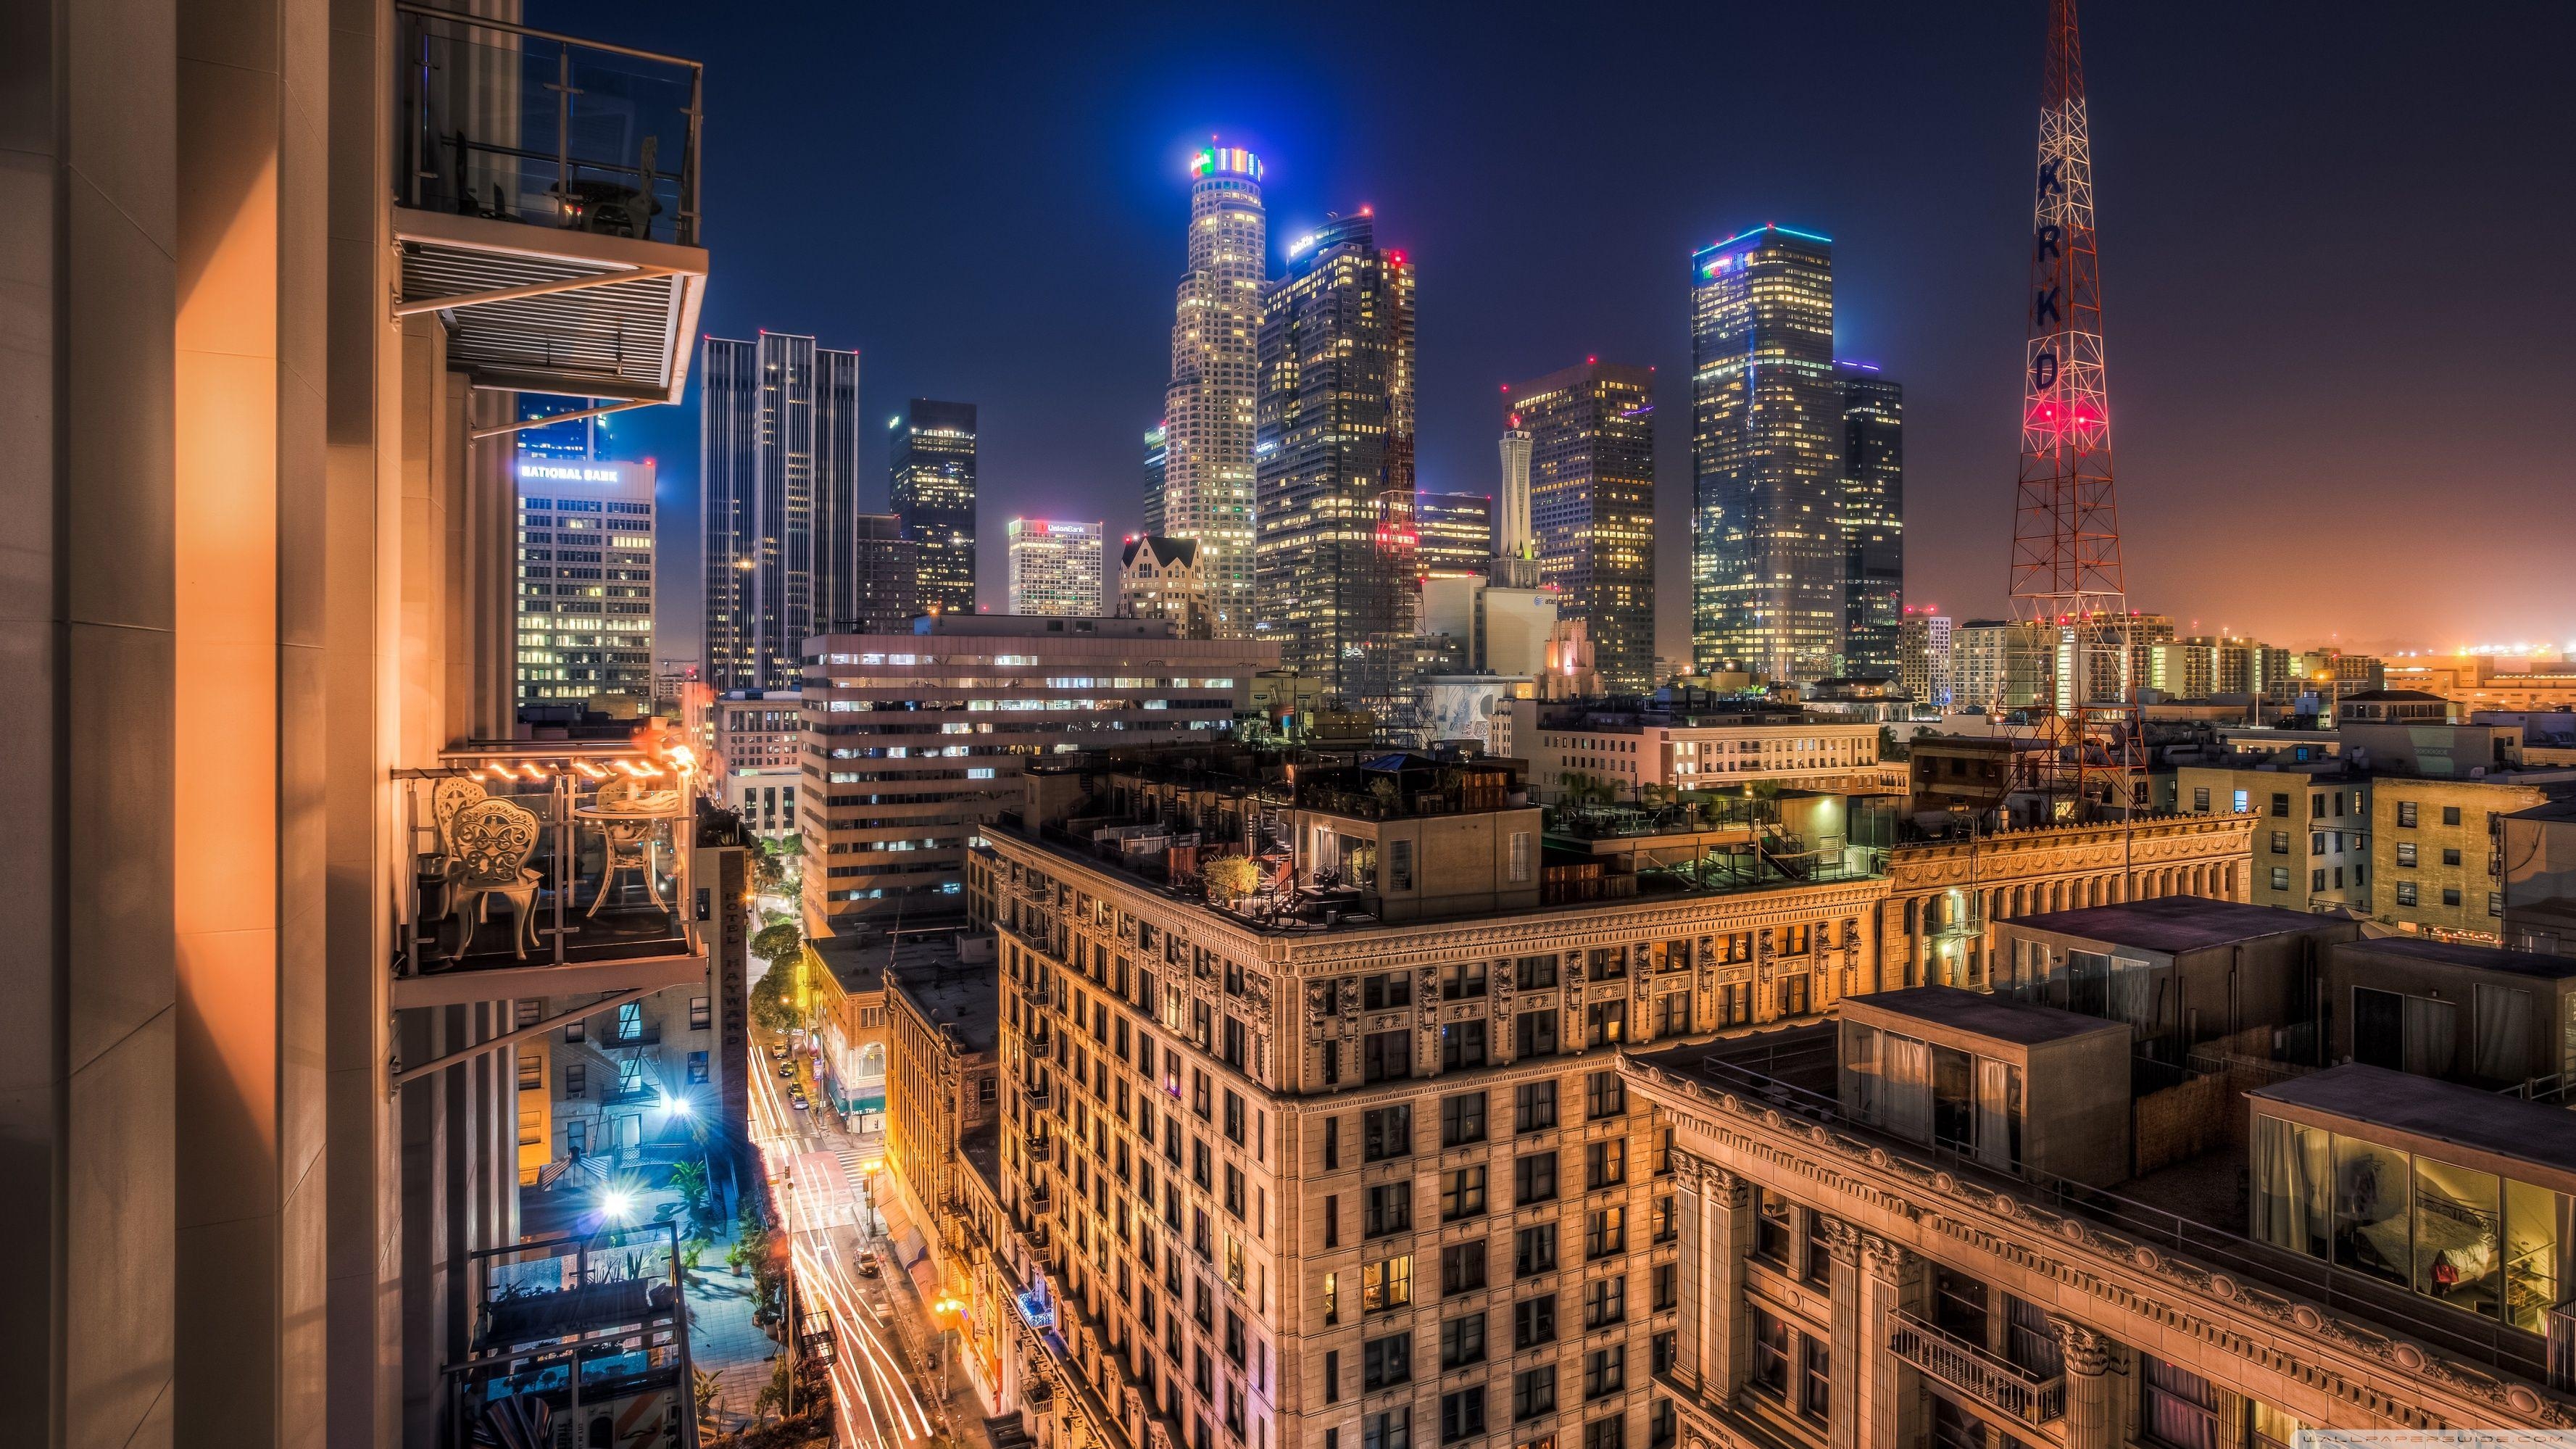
(565, 855)
(1974, 1372)
(509, 122)
(2473, 1337)
(584, 1325)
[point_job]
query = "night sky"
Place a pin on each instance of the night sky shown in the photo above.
(2336, 246)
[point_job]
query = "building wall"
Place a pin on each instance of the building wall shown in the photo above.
(2311, 840)
(912, 740)
(1805, 753)
(1090, 964)
(936, 1095)
(2454, 876)
(1887, 1226)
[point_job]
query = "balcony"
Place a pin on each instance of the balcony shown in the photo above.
(1973, 1371)
(569, 1327)
(546, 205)
(548, 871)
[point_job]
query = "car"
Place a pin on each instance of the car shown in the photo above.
(868, 1264)
(778, 1052)
(786, 1072)
(801, 1103)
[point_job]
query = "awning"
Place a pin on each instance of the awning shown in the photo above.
(925, 1278)
(889, 1203)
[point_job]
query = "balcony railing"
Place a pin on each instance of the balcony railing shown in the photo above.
(571, 856)
(1973, 1371)
(573, 1324)
(514, 124)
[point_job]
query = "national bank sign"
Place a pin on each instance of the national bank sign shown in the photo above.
(530, 472)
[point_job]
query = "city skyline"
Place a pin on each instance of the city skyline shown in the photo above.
(1924, 217)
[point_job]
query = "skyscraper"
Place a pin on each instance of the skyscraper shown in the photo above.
(1515, 541)
(1873, 519)
(585, 616)
(1923, 662)
(1592, 506)
(931, 487)
(1158, 461)
(1453, 533)
(1335, 450)
(1056, 568)
(1766, 456)
(885, 590)
(1204, 488)
(778, 464)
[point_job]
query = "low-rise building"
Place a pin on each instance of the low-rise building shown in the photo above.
(756, 729)
(764, 798)
(1582, 748)
(2538, 872)
(2311, 844)
(942, 1035)
(2490, 1018)
(2393, 706)
(2437, 855)
(1160, 578)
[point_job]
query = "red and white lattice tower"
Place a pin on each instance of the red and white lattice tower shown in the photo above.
(2066, 573)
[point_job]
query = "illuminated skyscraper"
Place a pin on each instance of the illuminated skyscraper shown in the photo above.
(1056, 568)
(885, 594)
(585, 586)
(1335, 450)
(1515, 541)
(1454, 533)
(778, 451)
(1204, 488)
(1592, 506)
(1767, 456)
(1158, 461)
(1873, 519)
(931, 487)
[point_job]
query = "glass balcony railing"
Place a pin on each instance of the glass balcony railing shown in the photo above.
(503, 121)
(553, 855)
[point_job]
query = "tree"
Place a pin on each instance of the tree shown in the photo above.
(773, 1008)
(774, 943)
(1230, 878)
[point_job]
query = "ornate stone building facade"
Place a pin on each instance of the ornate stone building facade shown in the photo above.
(1856, 1292)
(1944, 896)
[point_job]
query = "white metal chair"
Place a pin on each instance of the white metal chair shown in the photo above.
(488, 856)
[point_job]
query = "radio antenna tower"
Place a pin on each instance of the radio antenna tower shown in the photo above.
(2066, 572)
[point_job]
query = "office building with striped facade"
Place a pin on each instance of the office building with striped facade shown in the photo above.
(585, 586)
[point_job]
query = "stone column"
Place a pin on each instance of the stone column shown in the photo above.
(1843, 1409)
(1690, 1179)
(1727, 1231)
(1891, 1410)
(2090, 1422)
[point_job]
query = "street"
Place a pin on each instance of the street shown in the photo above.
(812, 1171)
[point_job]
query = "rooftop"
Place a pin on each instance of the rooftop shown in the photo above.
(2440, 1111)
(950, 993)
(1999, 1017)
(982, 1149)
(2538, 965)
(2172, 923)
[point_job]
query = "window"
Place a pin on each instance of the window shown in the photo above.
(1534, 1033)
(2280, 842)
(1390, 1430)
(2280, 878)
(1609, 1433)
(698, 1069)
(1534, 1322)
(1663, 1427)
(1605, 1231)
(1534, 973)
(1533, 1106)
(1390, 1209)
(2200, 800)
(1605, 1023)
(1463, 980)
(2450, 895)
(1673, 1014)
(1332, 1142)
(1462, 1267)
(1605, 1094)
(1332, 1310)
(1386, 1361)
(1462, 1414)
(1534, 1250)
(2406, 893)
(1770, 1354)
(1386, 1056)
(2406, 854)
(1462, 1341)
(699, 1014)
(1605, 1301)
(1332, 1371)
(1605, 1370)
(1386, 1286)
(1386, 1132)
(1386, 992)
(1605, 1163)
(1534, 1392)
(1399, 865)
(2450, 814)
(576, 1081)
(532, 1072)
(1462, 1193)
(2406, 814)
(2450, 856)
(1462, 1044)
(1462, 1119)
(1771, 1226)
(1668, 1289)
(2177, 1407)
(1820, 1258)
(630, 1021)
(1533, 1178)
(1816, 1379)
(2280, 803)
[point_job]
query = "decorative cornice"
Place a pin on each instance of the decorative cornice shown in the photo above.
(2086, 1350)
